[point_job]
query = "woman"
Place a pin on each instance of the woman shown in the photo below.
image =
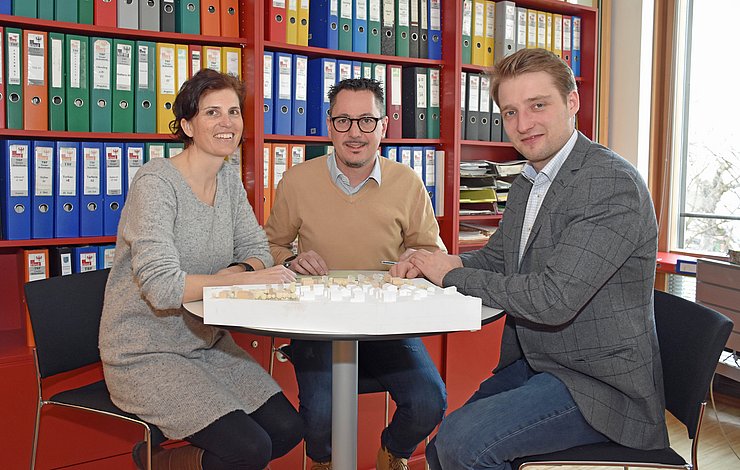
(186, 219)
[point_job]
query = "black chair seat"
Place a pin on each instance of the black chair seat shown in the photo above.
(691, 338)
(606, 452)
(97, 397)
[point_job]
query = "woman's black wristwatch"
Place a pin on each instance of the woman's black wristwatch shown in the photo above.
(287, 261)
(247, 267)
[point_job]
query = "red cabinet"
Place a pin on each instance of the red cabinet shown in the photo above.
(470, 358)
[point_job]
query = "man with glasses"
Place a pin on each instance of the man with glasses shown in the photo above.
(352, 209)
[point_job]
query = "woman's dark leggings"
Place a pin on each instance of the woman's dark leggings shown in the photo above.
(241, 441)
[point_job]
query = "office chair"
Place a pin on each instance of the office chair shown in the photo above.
(65, 315)
(365, 383)
(691, 338)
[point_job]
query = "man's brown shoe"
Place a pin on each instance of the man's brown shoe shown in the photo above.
(388, 461)
(321, 466)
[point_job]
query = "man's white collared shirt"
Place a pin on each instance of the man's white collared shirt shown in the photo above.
(342, 181)
(541, 182)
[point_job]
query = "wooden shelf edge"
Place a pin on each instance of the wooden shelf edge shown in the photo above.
(321, 140)
(485, 143)
(94, 30)
(314, 52)
(87, 136)
(55, 242)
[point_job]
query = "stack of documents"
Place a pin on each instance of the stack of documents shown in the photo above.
(477, 188)
(471, 233)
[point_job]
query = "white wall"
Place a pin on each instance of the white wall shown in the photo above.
(630, 81)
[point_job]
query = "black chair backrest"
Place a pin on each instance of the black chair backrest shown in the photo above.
(65, 314)
(691, 338)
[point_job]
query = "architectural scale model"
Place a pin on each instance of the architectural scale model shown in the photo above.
(348, 303)
(353, 288)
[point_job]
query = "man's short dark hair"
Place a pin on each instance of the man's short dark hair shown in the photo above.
(358, 84)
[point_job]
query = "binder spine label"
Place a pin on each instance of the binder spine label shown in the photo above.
(67, 171)
(329, 79)
(135, 160)
(301, 78)
(213, 58)
(389, 15)
(36, 59)
(467, 19)
(403, 13)
(182, 66)
(375, 11)
(232, 64)
(435, 12)
(284, 85)
(123, 67)
(473, 93)
(143, 67)
(195, 63)
(421, 90)
(434, 88)
(114, 185)
(19, 170)
(267, 78)
(14, 59)
(36, 266)
(396, 86)
(485, 91)
(43, 172)
(66, 261)
(91, 181)
(346, 11)
(167, 70)
(57, 76)
(101, 65)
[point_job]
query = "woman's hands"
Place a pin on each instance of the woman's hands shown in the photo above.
(275, 275)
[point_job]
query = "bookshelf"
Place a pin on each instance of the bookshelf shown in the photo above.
(451, 66)
(61, 436)
(464, 150)
(450, 353)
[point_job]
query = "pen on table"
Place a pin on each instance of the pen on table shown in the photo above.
(389, 263)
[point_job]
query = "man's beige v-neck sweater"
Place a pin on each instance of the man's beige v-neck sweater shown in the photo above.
(351, 232)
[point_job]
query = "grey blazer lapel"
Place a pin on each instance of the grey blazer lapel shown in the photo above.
(565, 175)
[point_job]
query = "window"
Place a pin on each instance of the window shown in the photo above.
(705, 193)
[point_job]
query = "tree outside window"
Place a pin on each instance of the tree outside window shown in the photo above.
(706, 182)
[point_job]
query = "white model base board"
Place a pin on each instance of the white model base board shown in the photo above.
(437, 311)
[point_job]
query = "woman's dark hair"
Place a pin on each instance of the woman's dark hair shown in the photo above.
(203, 82)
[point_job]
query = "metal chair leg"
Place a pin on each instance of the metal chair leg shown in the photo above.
(34, 450)
(148, 443)
(387, 408)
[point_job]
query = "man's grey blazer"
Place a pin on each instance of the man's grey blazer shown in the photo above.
(582, 299)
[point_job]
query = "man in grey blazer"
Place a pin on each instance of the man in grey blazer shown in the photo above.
(573, 265)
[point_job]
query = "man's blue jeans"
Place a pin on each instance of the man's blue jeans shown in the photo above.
(402, 366)
(515, 413)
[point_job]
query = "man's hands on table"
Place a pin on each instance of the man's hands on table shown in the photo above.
(433, 266)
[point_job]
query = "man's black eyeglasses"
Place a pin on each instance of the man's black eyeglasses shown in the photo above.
(366, 124)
